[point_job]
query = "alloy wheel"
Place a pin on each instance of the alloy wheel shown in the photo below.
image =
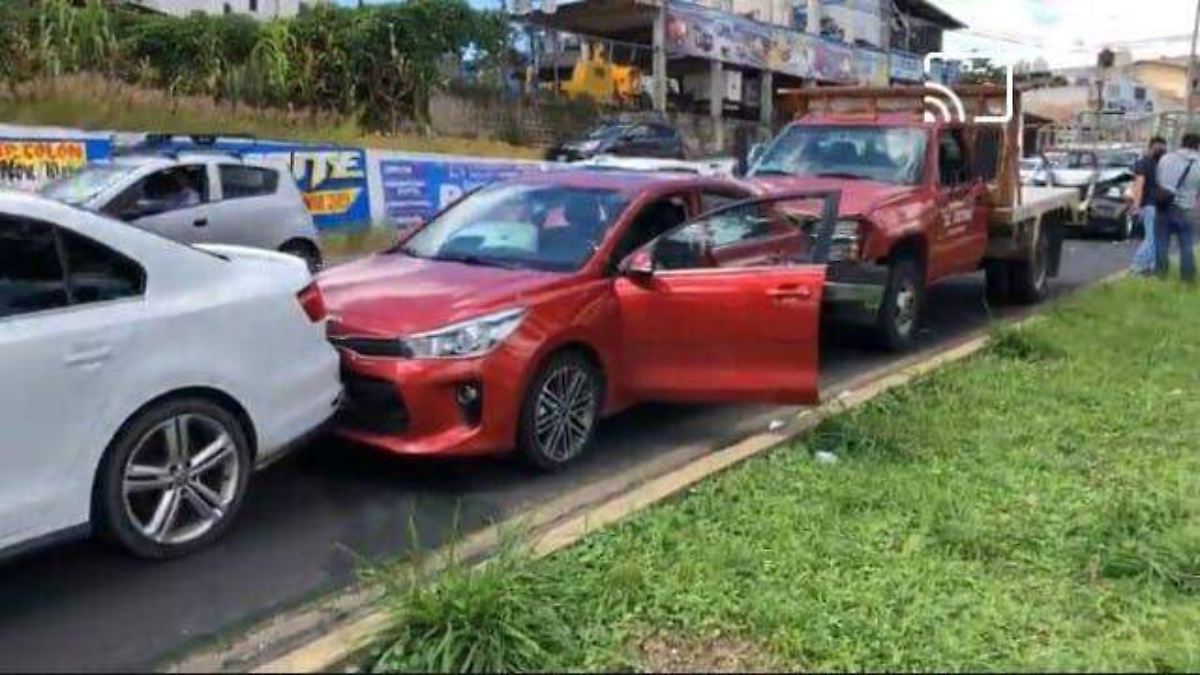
(181, 479)
(565, 413)
(906, 307)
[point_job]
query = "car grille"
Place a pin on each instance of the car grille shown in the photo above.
(372, 405)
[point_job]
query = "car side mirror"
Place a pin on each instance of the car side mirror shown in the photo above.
(639, 264)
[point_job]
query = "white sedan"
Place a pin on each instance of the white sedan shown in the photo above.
(144, 380)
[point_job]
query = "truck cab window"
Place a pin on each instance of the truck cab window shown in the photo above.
(952, 161)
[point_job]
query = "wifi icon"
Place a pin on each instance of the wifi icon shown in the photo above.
(938, 103)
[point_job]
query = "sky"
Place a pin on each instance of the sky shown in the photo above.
(1063, 32)
(1071, 32)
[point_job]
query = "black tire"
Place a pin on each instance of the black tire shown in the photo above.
(560, 444)
(899, 316)
(115, 516)
(1029, 280)
(306, 251)
(1124, 232)
(996, 275)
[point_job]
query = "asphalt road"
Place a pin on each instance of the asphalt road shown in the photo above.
(311, 522)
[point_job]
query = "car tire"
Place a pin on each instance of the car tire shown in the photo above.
(995, 274)
(157, 504)
(560, 412)
(899, 314)
(306, 251)
(1125, 230)
(1029, 280)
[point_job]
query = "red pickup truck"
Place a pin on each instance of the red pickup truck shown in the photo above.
(921, 201)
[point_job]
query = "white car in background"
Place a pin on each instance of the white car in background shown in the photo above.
(144, 380)
(198, 196)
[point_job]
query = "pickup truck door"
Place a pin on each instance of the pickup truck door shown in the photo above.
(697, 330)
(960, 237)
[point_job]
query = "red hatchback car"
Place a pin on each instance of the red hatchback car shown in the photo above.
(528, 310)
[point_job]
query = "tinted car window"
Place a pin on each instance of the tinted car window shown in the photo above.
(96, 273)
(247, 181)
(31, 275)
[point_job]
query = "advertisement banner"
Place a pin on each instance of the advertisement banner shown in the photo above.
(907, 67)
(707, 33)
(415, 187)
(703, 32)
(29, 163)
(872, 68)
(833, 62)
(332, 179)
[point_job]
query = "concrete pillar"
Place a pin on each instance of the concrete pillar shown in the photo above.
(660, 59)
(716, 101)
(766, 104)
(814, 17)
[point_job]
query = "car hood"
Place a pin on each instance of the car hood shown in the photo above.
(395, 294)
(859, 197)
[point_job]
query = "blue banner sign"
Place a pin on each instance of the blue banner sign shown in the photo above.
(414, 188)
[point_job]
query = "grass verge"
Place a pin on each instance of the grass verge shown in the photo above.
(91, 103)
(1033, 508)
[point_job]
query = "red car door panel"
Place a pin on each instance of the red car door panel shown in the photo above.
(727, 307)
(744, 334)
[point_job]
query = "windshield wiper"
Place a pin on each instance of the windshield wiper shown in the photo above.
(840, 174)
(772, 172)
(471, 259)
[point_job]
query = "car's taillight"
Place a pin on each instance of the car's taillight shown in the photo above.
(312, 302)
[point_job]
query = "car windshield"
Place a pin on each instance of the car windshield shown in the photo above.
(894, 155)
(521, 225)
(78, 188)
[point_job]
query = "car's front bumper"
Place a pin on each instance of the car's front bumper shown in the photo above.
(854, 292)
(418, 407)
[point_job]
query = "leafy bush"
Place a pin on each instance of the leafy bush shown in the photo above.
(382, 60)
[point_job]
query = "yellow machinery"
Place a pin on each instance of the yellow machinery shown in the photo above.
(596, 77)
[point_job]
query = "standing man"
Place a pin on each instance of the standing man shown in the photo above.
(1178, 188)
(1145, 185)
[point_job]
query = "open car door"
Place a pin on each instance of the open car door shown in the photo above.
(727, 306)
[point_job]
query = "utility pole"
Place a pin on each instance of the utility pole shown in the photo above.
(1191, 71)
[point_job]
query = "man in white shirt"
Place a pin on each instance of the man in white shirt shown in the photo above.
(1179, 174)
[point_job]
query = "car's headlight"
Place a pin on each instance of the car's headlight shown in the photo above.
(588, 146)
(464, 340)
(1117, 192)
(845, 243)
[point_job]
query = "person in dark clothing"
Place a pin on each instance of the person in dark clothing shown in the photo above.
(1144, 187)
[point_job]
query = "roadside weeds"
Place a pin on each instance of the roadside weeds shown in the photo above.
(1034, 507)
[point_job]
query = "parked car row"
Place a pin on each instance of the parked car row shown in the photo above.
(154, 376)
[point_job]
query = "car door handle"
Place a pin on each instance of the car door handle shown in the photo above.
(85, 357)
(791, 291)
(201, 222)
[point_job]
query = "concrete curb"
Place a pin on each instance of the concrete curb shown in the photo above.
(324, 635)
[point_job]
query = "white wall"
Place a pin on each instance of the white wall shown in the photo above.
(259, 9)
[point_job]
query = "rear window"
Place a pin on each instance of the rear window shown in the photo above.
(247, 181)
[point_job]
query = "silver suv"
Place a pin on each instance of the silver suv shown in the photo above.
(198, 197)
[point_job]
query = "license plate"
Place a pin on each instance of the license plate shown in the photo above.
(562, 158)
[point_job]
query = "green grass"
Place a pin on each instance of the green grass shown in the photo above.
(1036, 507)
(92, 103)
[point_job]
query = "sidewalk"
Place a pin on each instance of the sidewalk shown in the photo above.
(1036, 507)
